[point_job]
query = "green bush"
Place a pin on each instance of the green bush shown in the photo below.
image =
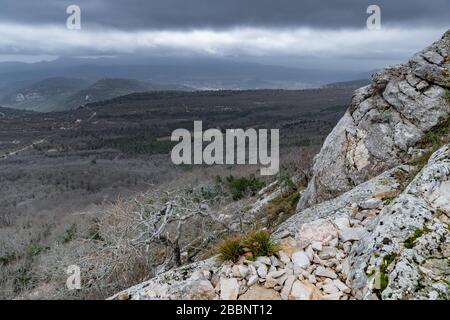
(243, 186)
(70, 233)
(35, 249)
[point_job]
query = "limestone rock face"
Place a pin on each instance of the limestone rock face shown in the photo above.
(383, 123)
(409, 248)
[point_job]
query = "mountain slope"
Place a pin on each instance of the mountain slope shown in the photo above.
(378, 221)
(43, 95)
(103, 89)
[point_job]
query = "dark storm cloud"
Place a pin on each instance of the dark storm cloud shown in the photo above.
(329, 33)
(181, 14)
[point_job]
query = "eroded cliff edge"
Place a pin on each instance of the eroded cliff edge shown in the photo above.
(383, 124)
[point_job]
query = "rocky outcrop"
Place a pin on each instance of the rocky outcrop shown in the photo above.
(383, 124)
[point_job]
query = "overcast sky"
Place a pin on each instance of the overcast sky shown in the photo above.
(331, 33)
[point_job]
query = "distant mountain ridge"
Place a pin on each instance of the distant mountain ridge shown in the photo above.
(199, 73)
(349, 84)
(44, 94)
(62, 94)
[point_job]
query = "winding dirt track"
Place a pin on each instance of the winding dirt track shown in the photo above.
(42, 140)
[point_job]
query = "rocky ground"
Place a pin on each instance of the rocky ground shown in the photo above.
(354, 251)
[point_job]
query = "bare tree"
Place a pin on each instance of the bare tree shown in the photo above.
(154, 233)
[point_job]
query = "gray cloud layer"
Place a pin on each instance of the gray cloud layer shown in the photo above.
(291, 32)
(176, 14)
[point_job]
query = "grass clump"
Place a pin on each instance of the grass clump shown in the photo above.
(286, 203)
(387, 260)
(436, 135)
(287, 183)
(387, 201)
(409, 242)
(35, 249)
(255, 244)
(260, 244)
(230, 249)
(433, 140)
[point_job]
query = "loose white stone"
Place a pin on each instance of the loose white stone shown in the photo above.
(243, 270)
(276, 274)
(300, 259)
(229, 289)
(282, 280)
(197, 275)
(274, 261)
(317, 230)
(251, 269)
(309, 253)
(351, 234)
(287, 287)
(284, 234)
(207, 274)
(324, 272)
(341, 286)
(330, 288)
(312, 279)
(252, 280)
(327, 253)
(347, 247)
(284, 257)
(301, 291)
(333, 242)
(262, 271)
(264, 260)
(236, 272)
(316, 245)
(342, 223)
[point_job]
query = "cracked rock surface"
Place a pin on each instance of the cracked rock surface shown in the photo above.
(383, 124)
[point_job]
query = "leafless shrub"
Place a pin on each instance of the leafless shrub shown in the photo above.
(153, 233)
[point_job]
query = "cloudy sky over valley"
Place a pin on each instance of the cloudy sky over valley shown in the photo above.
(326, 33)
